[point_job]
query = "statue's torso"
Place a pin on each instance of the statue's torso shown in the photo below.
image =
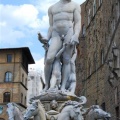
(63, 15)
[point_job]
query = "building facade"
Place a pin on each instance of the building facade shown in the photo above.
(13, 77)
(100, 69)
(80, 61)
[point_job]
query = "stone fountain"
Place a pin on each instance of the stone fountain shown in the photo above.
(58, 100)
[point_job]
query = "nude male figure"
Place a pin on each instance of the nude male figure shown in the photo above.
(64, 19)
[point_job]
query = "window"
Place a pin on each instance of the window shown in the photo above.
(116, 56)
(100, 22)
(95, 61)
(25, 100)
(8, 77)
(96, 102)
(94, 7)
(23, 78)
(89, 68)
(113, 24)
(83, 30)
(102, 57)
(9, 58)
(89, 16)
(118, 9)
(25, 62)
(6, 97)
(100, 2)
(117, 113)
(103, 106)
(26, 82)
(21, 97)
(116, 96)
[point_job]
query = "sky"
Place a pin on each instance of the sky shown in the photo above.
(20, 21)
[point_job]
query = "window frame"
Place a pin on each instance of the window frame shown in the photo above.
(89, 16)
(6, 98)
(83, 30)
(94, 8)
(23, 78)
(8, 77)
(9, 58)
(21, 98)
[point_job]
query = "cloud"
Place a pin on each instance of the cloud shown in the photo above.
(19, 22)
(37, 56)
(39, 65)
(43, 6)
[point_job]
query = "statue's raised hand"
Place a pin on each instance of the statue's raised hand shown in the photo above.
(42, 39)
(74, 40)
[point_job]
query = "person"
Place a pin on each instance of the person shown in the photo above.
(64, 20)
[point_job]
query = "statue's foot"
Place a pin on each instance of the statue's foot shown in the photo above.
(63, 89)
(46, 88)
(63, 92)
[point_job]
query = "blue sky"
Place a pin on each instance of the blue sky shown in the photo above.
(21, 20)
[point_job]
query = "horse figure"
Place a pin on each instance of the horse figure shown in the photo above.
(37, 110)
(14, 112)
(69, 112)
(95, 112)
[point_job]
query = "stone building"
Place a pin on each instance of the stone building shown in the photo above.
(101, 66)
(35, 83)
(13, 77)
(81, 48)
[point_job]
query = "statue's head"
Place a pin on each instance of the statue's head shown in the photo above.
(53, 104)
(31, 110)
(99, 113)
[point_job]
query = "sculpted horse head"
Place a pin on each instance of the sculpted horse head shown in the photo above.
(70, 112)
(14, 113)
(95, 112)
(37, 110)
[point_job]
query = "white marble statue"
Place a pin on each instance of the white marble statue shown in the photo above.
(95, 113)
(53, 113)
(37, 110)
(14, 112)
(70, 111)
(64, 20)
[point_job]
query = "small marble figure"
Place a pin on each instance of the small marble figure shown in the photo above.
(53, 113)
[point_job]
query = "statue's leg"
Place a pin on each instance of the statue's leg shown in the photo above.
(66, 69)
(54, 47)
(56, 74)
(72, 83)
(67, 54)
(73, 74)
